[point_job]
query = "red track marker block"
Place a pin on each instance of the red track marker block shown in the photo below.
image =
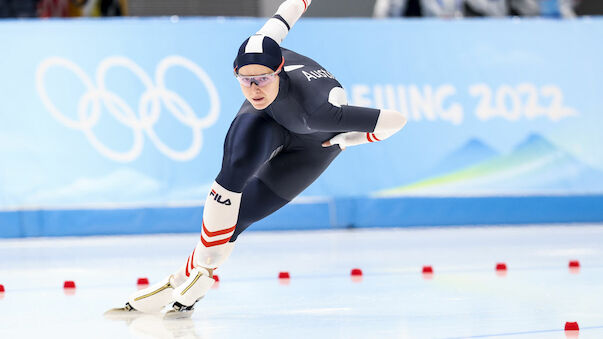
(501, 266)
(427, 270)
(69, 284)
(1, 288)
(284, 275)
(356, 275)
(571, 326)
(356, 272)
(216, 281)
(574, 264)
(142, 281)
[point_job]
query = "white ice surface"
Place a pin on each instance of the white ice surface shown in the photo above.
(464, 298)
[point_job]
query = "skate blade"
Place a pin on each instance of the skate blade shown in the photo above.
(121, 313)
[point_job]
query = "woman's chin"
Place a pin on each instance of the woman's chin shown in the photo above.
(260, 105)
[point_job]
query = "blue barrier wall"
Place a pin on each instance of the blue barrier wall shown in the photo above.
(116, 126)
(333, 214)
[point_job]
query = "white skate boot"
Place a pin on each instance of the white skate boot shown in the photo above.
(148, 300)
(188, 293)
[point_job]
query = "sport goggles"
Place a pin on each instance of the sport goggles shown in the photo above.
(260, 80)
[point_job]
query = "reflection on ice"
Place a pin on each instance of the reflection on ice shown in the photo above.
(155, 326)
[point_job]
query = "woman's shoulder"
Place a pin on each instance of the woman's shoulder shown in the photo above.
(294, 58)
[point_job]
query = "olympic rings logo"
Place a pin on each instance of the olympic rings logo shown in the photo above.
(148, 111)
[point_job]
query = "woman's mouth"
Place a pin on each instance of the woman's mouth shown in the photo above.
(257, 99)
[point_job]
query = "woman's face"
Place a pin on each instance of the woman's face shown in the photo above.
(259, 97)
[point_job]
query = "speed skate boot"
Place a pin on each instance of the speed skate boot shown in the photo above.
(188, 293)
(148, 300)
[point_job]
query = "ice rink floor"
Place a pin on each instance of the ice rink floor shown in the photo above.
(465, 297)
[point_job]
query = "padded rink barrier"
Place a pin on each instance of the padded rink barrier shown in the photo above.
(327, 214)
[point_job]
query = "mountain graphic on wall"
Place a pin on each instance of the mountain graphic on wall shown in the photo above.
(535, 166)
(472, 152)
